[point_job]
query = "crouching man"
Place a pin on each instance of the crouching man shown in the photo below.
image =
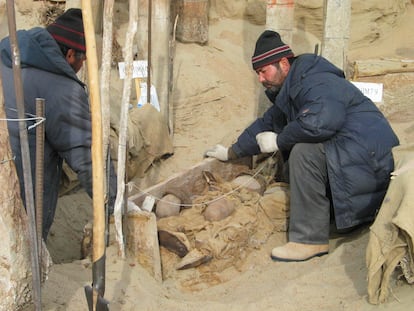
(335, 142)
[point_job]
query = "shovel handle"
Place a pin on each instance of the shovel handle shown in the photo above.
(98, 200)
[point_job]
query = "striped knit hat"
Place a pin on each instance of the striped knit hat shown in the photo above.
(269, 49)
(68, 30)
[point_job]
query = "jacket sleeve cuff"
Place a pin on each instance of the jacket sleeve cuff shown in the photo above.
(231, 155)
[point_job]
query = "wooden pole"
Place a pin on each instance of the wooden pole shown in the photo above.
(337, 15)
(123, 130)
(280, 18)
(25, 151)
(160, 36)
(106, 76)
(97, 6)
(107, 40)
(149, 52)
(98, 253)
(171, 78)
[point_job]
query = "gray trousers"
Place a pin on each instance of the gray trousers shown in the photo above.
(309, 198)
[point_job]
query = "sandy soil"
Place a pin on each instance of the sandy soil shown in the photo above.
(215, 96)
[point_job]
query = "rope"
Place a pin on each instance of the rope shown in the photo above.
(132, 185)
(39, 120)
(8, 160)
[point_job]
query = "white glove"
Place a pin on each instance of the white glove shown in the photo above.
(267, 142)
(219, 152)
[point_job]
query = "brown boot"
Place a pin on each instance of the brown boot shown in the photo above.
(292, 251)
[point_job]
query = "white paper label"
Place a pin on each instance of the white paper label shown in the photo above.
(371, 90)
(139, 70)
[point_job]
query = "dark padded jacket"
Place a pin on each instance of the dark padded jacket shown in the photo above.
(68, 136)
(316, 104)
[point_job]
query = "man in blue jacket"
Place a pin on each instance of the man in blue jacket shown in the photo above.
(336, 143)
(50, 59)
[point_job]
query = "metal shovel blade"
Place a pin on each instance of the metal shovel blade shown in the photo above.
(101, 303)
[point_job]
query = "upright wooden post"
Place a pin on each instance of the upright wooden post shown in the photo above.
(160, 37)
(280, 18)
(337, 15)
(192, 23)
(123, 130)
(97, 12)
(15, 259)
(107, 39)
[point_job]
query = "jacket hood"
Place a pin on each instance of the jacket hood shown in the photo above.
(38, 49)
(304, 66)
(308, 64)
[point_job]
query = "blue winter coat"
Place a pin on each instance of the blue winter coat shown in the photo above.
(317, 105)
(68, 136)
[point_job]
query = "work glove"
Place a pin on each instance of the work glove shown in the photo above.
(267, 142)
(219, 152)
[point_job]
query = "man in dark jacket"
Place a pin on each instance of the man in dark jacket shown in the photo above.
(336, 142)
(50, 59)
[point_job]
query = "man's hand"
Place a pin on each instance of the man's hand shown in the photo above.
(267, 142)
(219, 152)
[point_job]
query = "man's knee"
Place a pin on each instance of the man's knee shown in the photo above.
(304, 152)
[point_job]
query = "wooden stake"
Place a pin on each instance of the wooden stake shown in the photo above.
(106, 74)
(123, 133)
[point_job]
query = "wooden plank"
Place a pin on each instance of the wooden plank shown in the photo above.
(192, 23)
(377, 67)
(192, 180)
(142, 241)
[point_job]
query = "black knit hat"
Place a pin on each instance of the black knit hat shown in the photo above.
(269, 49)
(68, 30)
